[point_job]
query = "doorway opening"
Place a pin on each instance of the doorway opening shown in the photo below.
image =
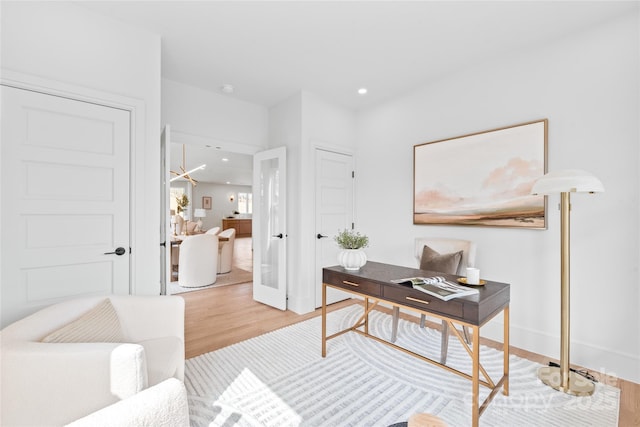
(218, 197)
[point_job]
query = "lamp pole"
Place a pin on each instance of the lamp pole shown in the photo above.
(562, 378)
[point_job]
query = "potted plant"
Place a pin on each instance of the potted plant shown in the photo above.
(182, 202)
(352, 257)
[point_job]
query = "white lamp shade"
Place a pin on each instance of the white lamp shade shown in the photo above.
(199, 213)
(572, 180)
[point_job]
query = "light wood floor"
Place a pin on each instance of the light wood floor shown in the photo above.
(219, 317)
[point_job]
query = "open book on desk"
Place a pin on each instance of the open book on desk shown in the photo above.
(437, 286)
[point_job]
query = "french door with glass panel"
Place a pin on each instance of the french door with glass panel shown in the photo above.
(269, 228)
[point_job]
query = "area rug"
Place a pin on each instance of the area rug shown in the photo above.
(234, 277)
(280, 379)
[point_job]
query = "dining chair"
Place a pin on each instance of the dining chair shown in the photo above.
(446, 248)
(225, 252)
(213, 230)
(198, 261)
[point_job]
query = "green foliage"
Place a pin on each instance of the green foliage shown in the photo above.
(182, 202)
(350, 239)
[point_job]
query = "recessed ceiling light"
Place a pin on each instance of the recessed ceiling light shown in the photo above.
(362, 91)
(227, 88)
(224, 159)
(228, 182)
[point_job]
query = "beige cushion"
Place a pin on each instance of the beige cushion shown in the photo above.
(191, 227)
(100, 324)
(444, 263)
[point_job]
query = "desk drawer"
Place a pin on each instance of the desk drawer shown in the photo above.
(352, 283)
(423, 301)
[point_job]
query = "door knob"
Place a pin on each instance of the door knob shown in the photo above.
(119, 251)
(279, 236)
(321, 236)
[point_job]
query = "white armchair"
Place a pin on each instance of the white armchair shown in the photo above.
(213, 230)
(55, 383)
(163, 405)
(225, 250)
(198, 261)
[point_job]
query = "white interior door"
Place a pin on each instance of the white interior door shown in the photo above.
(334, 212)
(65, 200)
(165, 245)
(269, 228)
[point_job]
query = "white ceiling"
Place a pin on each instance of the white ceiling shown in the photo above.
(236, 170)
(271, 50)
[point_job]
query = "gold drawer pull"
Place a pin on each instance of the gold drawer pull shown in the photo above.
(417, 300)
(346, 282)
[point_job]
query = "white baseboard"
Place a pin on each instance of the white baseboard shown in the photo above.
(605, 361)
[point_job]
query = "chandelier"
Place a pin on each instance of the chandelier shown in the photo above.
(186, 173)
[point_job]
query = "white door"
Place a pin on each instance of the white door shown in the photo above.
(334, 212)
(269, 228)
(65, 200)
(165, 245)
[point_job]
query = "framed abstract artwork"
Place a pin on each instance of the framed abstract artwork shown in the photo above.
(484, 178)
(206, 202)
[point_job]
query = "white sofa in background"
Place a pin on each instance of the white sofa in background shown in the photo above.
(54, 383)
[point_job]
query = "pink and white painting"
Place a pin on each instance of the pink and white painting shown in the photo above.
(482, 179)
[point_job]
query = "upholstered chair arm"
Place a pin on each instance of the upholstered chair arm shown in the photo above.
(40, 379)
(145, 318)
(163, 405)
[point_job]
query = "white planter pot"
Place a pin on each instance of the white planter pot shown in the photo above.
(352, 259)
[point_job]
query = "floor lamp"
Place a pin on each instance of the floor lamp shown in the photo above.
(565, 182)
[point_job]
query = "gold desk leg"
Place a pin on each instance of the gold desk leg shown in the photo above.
(505, 352)
(366, 316)
(475, 381)
(324, 320)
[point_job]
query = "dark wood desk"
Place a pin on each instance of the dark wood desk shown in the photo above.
(373, 282)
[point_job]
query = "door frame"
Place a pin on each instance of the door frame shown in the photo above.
(166, 271)
(136, 109)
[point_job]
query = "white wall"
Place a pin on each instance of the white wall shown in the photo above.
(587, 85)
(303, 123)
(69, 45)
(285, 129)
(204, 117)
(221, 206)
